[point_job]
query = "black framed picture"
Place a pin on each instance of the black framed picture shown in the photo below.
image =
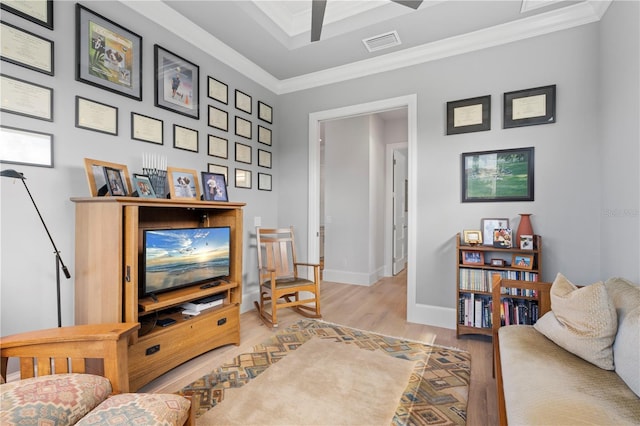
(37, 11)
(502, 175)
(243, 101)
(22, 146)
(265, 112)
(25, 98)
(530, 107)
(108, 55)
(115, 184)
(177, 83)
(26, 49)
(469, 115)
(217, 90)
(214, 186)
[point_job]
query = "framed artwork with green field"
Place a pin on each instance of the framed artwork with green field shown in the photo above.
(502, 175)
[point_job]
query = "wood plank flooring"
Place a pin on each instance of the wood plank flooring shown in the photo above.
(380, 308)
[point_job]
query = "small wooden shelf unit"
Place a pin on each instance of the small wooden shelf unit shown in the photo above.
(474, 285)
(107, 263)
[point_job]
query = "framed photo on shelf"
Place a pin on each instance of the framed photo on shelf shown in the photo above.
(220, 169)
(218, 118)
(243, 102)
(96, 176)
(243, 153)
(142, 185)
(177, 83)
(96, 116)
(147, 129)
(497, 262)
(472, 237)
(488, 225)
(264, 182)
(26, 49)
(25, 98)
(264, 135)
(472, 258)
(522, 261)
(526, 242)
(183, 183)
(243, 178)
(21, 146)
(530, 107)
(214, 186)
(265, 112)
(108, 55)
(115, 183)
(218, 147)
(217, 90)
(243, 127)
(185, 138)
(502, 238)
(469, 115)
(502, 175)
(37, 11)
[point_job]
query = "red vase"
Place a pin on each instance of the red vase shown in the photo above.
(524, 228)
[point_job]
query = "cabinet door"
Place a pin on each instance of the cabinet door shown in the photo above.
(130, 272)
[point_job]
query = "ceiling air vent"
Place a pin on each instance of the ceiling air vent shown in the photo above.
(382, 41)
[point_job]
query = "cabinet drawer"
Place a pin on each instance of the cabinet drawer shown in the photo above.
(163, 349)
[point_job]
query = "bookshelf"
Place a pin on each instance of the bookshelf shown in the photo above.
(476, 267)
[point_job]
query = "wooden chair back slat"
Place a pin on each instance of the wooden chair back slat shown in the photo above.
(61, 365)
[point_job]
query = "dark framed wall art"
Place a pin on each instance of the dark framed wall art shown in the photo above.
(530, 107)
(177, 83)
(37, 11)
(469, 115)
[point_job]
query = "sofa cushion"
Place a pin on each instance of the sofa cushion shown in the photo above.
(140, 409)
(60, 399)
(626, 348)
(547, 385)
(582, 321)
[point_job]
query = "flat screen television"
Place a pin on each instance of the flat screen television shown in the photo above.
(175, 258)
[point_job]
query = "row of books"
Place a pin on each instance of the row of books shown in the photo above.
(482, 279)
(476, 311)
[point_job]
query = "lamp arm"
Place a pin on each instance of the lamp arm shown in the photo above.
(56, 251)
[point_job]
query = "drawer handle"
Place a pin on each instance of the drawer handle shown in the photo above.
(222, 321)
(152, 350)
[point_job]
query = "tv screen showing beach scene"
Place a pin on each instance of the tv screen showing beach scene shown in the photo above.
(174, 258)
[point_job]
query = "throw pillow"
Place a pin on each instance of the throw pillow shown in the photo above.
(583, 321)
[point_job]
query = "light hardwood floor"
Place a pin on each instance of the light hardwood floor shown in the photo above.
(380, 308)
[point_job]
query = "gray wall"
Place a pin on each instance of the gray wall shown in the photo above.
(569, 182)
(28, 268)
(587, 182)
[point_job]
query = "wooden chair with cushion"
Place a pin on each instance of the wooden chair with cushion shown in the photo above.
(79, 375)
(282, 282)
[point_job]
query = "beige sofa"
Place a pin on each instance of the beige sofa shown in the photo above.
(580, 363)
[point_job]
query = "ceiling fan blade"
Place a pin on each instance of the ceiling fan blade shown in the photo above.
(317, 16)
(413, 4)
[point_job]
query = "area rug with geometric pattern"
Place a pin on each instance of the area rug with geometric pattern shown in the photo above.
(317, 373)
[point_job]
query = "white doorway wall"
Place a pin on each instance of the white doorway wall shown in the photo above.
(400, 211)
(409, 102)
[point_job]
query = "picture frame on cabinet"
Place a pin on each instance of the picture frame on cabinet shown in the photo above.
(243, 102)
(214, 186)
(526, 242)
(96, 177)
(115, 184)
(217, 90)
(37, 11)
(500, 175)
(472, 236)
(522, 261)
(142, 185)
(183, 183)
(469, 115)
(26, 49)
(265, 112)
(530, 107)
(27, 99)
(470, 257)
(27, 147)
(487, 226)
(502, 238)
(177, 83)
(108, 55)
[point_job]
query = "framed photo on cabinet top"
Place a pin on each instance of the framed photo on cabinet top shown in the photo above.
(177, 83)
(183, 183)
(502, 175)
(96, 177)
(469, 115)
(115, 184)
(142, 185)
(214, 186)
(37, 11)
(530, 107)
(217, 90)
(108, 55)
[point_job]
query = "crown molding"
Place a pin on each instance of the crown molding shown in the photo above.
(579, 14)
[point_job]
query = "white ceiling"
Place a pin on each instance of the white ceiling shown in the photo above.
(269, 41)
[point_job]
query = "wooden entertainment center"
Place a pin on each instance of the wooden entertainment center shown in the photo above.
(107, 263)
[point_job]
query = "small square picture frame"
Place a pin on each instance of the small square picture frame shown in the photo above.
(522, 261)
(503, 238)
(214, 187)
(498, 263)
(471, 257)
(183, 183)
(526, 242)
(472, 237)
(243, 178)
(487, 225)
(142, 186)
(116, 186)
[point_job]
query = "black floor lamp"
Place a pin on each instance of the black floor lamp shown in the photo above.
(59, 263)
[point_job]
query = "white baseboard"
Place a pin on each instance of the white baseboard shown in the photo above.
(436, 316)
(356, 278)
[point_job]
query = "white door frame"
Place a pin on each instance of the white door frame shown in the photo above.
(411, 103)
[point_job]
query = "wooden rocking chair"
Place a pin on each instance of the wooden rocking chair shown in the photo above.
(281, 283)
